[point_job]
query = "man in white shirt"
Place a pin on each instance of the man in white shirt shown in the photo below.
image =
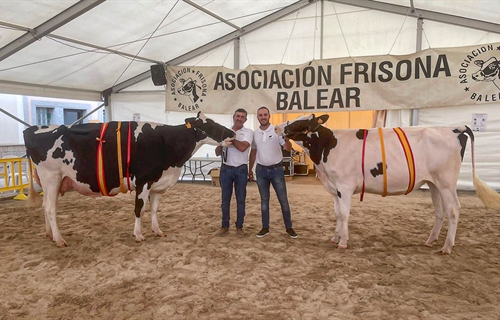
(234, 171)
(267, 151)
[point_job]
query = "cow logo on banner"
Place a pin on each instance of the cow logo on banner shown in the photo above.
(480, 74)
(188, 87)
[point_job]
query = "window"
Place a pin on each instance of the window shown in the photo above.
(71, 115)
(44, 116)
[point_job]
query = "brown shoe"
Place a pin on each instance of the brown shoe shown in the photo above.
(240, 233)
(222, 232)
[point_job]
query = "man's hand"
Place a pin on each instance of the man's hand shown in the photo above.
(227, 142)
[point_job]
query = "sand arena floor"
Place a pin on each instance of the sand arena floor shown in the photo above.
(385, 273)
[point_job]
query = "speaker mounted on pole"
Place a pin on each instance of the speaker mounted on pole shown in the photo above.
(158, 74)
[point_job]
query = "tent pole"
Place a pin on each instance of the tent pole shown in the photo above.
(321, 32)
(237, 53)
(88, 114)
(15, 118)
(420, 28)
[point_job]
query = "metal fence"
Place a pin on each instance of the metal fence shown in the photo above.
(14, 176)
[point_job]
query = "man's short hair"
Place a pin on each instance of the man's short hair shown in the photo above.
(241, 110)
(269, 112)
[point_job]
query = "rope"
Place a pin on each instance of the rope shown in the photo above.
(341, 30)
(399, 32)
(146, 42)
(290, 37)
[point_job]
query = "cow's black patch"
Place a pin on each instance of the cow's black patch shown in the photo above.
(319, 144)
(58, 153)
(360, 134)
(462, 139)
(139, 203)
(378, 170)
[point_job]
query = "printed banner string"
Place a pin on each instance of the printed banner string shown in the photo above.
(341, 30)
(290, 37)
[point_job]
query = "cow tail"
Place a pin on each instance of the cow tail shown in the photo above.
(488, 196)
(33, 196)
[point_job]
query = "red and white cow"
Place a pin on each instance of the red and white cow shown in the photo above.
(389, 162)
(106, 159)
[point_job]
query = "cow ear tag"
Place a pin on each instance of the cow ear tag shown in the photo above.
(188, 125)
(320, 121)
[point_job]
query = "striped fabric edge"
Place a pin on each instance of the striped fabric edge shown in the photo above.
(410, 160)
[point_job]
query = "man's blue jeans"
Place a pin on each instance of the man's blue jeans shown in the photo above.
(275, 176)
(237, 176)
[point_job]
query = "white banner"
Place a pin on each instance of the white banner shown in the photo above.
(426, 79)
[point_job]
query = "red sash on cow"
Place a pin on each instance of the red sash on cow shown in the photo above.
(409, 158)
(100, 170)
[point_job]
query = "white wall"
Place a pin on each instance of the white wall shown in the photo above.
(11, 130)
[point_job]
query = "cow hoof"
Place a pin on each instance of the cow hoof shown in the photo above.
(429, 243)
(443, 253)
(340, 246)
(62, 244)
(159, 233)
(140, 239)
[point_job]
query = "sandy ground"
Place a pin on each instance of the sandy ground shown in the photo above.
(385, 273)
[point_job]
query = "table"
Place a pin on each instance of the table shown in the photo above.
(194, 167)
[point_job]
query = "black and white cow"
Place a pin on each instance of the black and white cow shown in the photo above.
(389, 162)
(106, 159)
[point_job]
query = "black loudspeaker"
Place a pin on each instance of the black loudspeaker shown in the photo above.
(158, 75)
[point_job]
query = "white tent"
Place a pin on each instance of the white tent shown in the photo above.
(102, 50)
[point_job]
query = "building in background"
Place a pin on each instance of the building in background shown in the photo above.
(38, 111)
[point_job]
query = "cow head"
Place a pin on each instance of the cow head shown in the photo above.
(489, 71)
(300, 126)
(189, 88)
(210, 131)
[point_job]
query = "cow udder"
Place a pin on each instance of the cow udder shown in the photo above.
(66, 185)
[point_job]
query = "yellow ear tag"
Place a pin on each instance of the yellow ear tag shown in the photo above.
(320, 121)
(188, 125)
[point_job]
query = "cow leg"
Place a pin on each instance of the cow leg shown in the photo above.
(48, 230)
(50, 195)
(154, 200)
(439, 213)
(452, 208)
(336, 237)
(344, 208)
(141, 198)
